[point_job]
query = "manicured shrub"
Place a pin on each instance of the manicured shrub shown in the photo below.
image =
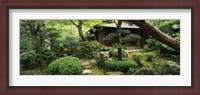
(166, 68)
(104, 48)
(70, 43)
(113, 53)
(48, 55)
(123, 66)
(137, 56)
(140, 71)
(64, 66)
(28, 58)
(149, 56)
(88, 49)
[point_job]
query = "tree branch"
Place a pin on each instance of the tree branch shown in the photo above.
(74, 23)
(156, 33)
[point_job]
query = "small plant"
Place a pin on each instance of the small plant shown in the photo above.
(64, 66)
(123, 66)
(137, 56)
(149, 56)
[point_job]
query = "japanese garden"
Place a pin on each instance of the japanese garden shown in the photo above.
(100, 47)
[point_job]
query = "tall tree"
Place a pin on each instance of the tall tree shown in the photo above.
(80, 30)
(123, 36)
(120, 39)
(36, 28)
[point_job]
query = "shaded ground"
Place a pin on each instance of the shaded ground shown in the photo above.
(90, 65)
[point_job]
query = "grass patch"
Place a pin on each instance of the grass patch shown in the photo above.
(97, 70)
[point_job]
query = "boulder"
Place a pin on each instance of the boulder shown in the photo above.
(173, 64)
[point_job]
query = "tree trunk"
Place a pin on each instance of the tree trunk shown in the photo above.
(37, 46)
(120, 40)
(79, 27)
(157, 34)
(81, 33)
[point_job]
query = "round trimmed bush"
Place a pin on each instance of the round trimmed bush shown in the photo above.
(123, 66)
(64, 66)
(149, 56)
(113, 53)
(88, 49)
(137, 56)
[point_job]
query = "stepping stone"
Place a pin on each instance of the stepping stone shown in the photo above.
(173, 64)
(87, 67)
(87, 72)
(85, 63)
(93, 61)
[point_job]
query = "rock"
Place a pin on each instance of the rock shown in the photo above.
(87, 67)
(86, 72)
(174, 68)
(173, 64)
(85, 63)
(93, 61)
(27, 72)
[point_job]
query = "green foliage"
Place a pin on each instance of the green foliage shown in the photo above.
(152, 44)
(137, 56)
(162, 68)
(71, 42)
(113, 53)
(166, 68)
(110, 36)
(88, 49)
(64, 66)
(131, 37)
(123, 66)
(124, 37)
(149, 56)
(28, 58)
(48, 55)
(101, 58)
(140, 71)
(25, 38)
(166, 27)
(54, 42)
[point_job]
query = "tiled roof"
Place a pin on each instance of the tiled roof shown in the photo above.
(124, 25)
